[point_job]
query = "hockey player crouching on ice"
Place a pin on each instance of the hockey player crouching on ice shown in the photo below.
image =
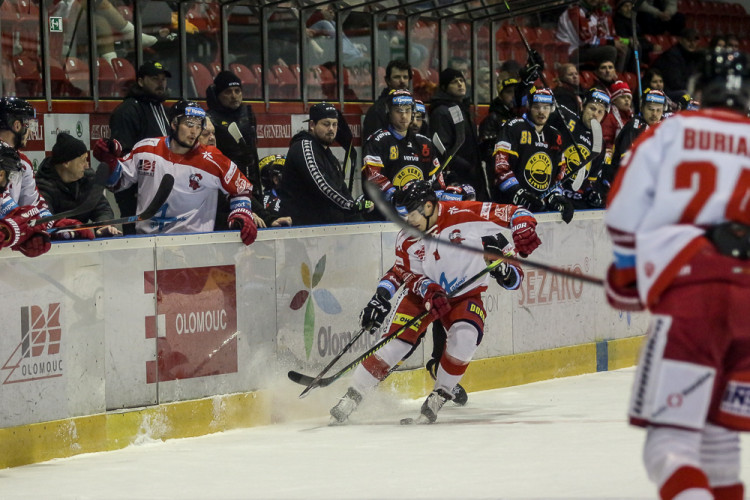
(422, 262)
(201, 173)
(529, 159)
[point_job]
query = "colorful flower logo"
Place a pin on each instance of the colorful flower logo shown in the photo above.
(322, 297)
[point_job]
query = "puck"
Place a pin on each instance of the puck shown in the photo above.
(407, 421)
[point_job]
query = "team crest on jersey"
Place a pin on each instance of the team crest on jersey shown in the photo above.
(195, 181)
(242, 185)
(420, 253)
(208, 156)
(455, 237)
(573, 160)
(146, 167)
(538, 171)
(406, 175)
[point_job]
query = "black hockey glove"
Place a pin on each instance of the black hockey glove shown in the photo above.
(530, 73)
(596, 195)
(528, 200)
(375, 312)
(535, 58)
(559, 203)
(507, 276)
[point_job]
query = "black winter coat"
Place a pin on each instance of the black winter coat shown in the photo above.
(62, 197)
(138, 117)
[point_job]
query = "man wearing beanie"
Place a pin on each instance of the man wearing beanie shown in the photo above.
(225, 109)
(141, 115)
(65, 180)
(465, 167)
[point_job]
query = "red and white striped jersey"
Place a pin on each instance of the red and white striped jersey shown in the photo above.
(199, 176)
(25, 192)
(462, 223)
(684, 175)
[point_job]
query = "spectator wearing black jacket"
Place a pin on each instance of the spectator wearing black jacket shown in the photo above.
(313, 189)
(398, 76)
(140, 115)
(65, 182)
(679, 62)
(465, 167)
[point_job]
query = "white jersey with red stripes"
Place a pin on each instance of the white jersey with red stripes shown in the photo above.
(25, 192)
(686, 174)
(199, 176)
(462, 223)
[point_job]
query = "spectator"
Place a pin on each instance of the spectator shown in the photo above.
(733, 43)
(657, 16)
(604, 76)
(524, 168)
(140, 115)
(679, 62)
(321, 30)
(620, 113)
(65, 181)
(508, 69)
(588, 30)
(313, 189)
(201, 173)
(398, 76)
(236, 135)
(623, 20)
(568, 91)
(484, 86)
(502, 109)
(654, 80)
(462, 64)
(465, 166)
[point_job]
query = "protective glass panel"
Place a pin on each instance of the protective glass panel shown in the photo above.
(161, 41)
(21, 73)
(283, 55)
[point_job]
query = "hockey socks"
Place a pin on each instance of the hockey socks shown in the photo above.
(686, 483)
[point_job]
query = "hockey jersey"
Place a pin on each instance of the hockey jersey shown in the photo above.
(25, 192)
(682, 175)
(199, 176)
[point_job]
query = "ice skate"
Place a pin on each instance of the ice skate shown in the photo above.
(340, 413)
(432, 405)
(460, 397)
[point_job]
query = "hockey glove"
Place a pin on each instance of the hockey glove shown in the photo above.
(36, 245)
(527, 199)
(63, 234)
(556, 202)
(622, 290)
(242, 219)
(530, 73)
(508, 276)
(535, 58)
(375, 312)
(524, 232)
(436, 301)
(15, 229)
(109, 152)
(362, 205)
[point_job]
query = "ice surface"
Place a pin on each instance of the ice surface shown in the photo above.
(564, 438)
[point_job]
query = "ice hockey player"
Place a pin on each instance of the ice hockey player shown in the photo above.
(426, 265)
(200, 173)
(680, 230)
(529, 159)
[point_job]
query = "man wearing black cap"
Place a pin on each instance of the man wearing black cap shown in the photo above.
(313, 189)
(65, 181)
(140, 115)
(465, 166)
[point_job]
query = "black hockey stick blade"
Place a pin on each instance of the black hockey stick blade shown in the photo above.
(326, 381)
(376, 195)
(458, 121)
(162, 193)
(102, 172)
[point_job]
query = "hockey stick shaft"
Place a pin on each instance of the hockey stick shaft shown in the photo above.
(388, 210)
(323, 382)
(595, 129)
(87, 205)
(460, 138)
(162, 193)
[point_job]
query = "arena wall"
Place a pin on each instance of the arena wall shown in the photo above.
(114, 342)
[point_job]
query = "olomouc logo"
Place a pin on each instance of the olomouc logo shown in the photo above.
(37, 355)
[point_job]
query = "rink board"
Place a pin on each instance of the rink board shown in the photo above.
(131, 326)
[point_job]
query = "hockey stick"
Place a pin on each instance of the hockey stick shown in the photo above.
(597, 144)
(162, 193)
(387, 209)
(326, 381)
(296, 377)
(458, 118)
(87, 205)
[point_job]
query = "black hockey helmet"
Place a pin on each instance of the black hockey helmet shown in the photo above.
(723, 77)
(597, 95)
(12, 109)
(184, 107)
(414, 195)
(270, 166)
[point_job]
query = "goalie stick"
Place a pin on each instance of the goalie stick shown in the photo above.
(87, 205)
(390, 212)
(326, 381)
(596, 149)
(162, 193)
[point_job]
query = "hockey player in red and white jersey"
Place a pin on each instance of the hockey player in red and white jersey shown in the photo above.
(201, 174)
(679, 220)
(431, 271)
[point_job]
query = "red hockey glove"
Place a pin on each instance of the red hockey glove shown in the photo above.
(62, 234)
(15, 229)
(108, 151)
(242, 219)
(36, 245)
(524, 234)
(622, 292)
(436, 301)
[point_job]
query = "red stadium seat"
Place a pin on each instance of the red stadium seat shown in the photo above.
(200, 78)
(250, 85)
(77, 73)
(215, 68)
(125, 74)
(587, 79)
(28, 77)
(285, 85)
(632, 80)
(107, 78)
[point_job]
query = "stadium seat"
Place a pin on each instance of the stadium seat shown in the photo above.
(60, 86)
(125, 74)
(215, 68)
(28, 77)
(250, 85)
(632, 80)
(587, 78)
(107, 79)
(126, 12)
(77, 73)
(200, 79)
(285, 85)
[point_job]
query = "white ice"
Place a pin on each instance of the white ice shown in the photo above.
(563, 438)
